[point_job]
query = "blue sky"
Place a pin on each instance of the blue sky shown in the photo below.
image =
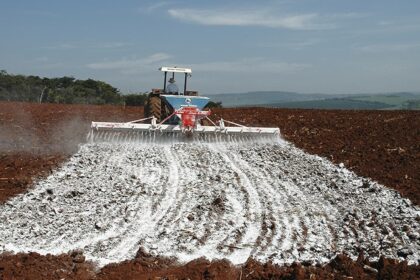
(328, 46)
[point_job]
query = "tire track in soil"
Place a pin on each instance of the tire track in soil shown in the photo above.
(266, 199)
(170, 225)
(109, 164)
(144, 225)
(123, 234)
(173, 214)
(171, 184)
(284, 230)
(132, 234)
(253, 224)
(174, 225)
(300, 236)
(239, 203)
(212, 218)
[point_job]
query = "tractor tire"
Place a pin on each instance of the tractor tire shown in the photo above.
(153, 108)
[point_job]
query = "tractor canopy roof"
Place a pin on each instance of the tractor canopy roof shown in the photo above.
(175, 69)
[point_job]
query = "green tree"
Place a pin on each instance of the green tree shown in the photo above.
(135, 99)
(212, 104)
(57, 90)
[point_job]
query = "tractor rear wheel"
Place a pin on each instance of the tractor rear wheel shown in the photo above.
(153, 108)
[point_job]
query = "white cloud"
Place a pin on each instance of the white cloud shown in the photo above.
(62, 46)
(248, 65)
(129, 65)
(389, 47)
(389, 27)
(41, 59)
(293, 45)
(349, 15)
(385, 23)
(111, 45)
(153, 7)
(251, 65)
(89, 45)
(262, 17)
(48, 66)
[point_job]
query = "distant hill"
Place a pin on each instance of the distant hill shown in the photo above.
(258, 98)
(281, 99)
(332, 103)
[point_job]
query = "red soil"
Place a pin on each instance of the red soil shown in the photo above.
(72, 266)
(383, 145)
(342, 267)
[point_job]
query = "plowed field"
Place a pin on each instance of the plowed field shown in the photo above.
(159, 206)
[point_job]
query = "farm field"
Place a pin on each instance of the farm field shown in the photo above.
(136, 209)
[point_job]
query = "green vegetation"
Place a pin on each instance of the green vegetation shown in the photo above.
(411, 104)
(212, 104)
(402, 100)
(392, 100)
(135, 99)
(67, 90)
(62, 90)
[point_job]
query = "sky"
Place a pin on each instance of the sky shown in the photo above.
(307, 46)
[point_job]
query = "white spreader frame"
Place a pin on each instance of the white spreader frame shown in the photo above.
(130, 126)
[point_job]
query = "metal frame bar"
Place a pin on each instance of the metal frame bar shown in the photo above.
(164, 82)
(212, 122)
(178, 128)
(167, 118)
(237, 124)
(185, 84)
(140, 120)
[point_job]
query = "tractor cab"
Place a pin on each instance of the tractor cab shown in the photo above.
(172, 70)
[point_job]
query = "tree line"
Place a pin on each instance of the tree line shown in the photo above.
(67, 90)
(63, 90)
